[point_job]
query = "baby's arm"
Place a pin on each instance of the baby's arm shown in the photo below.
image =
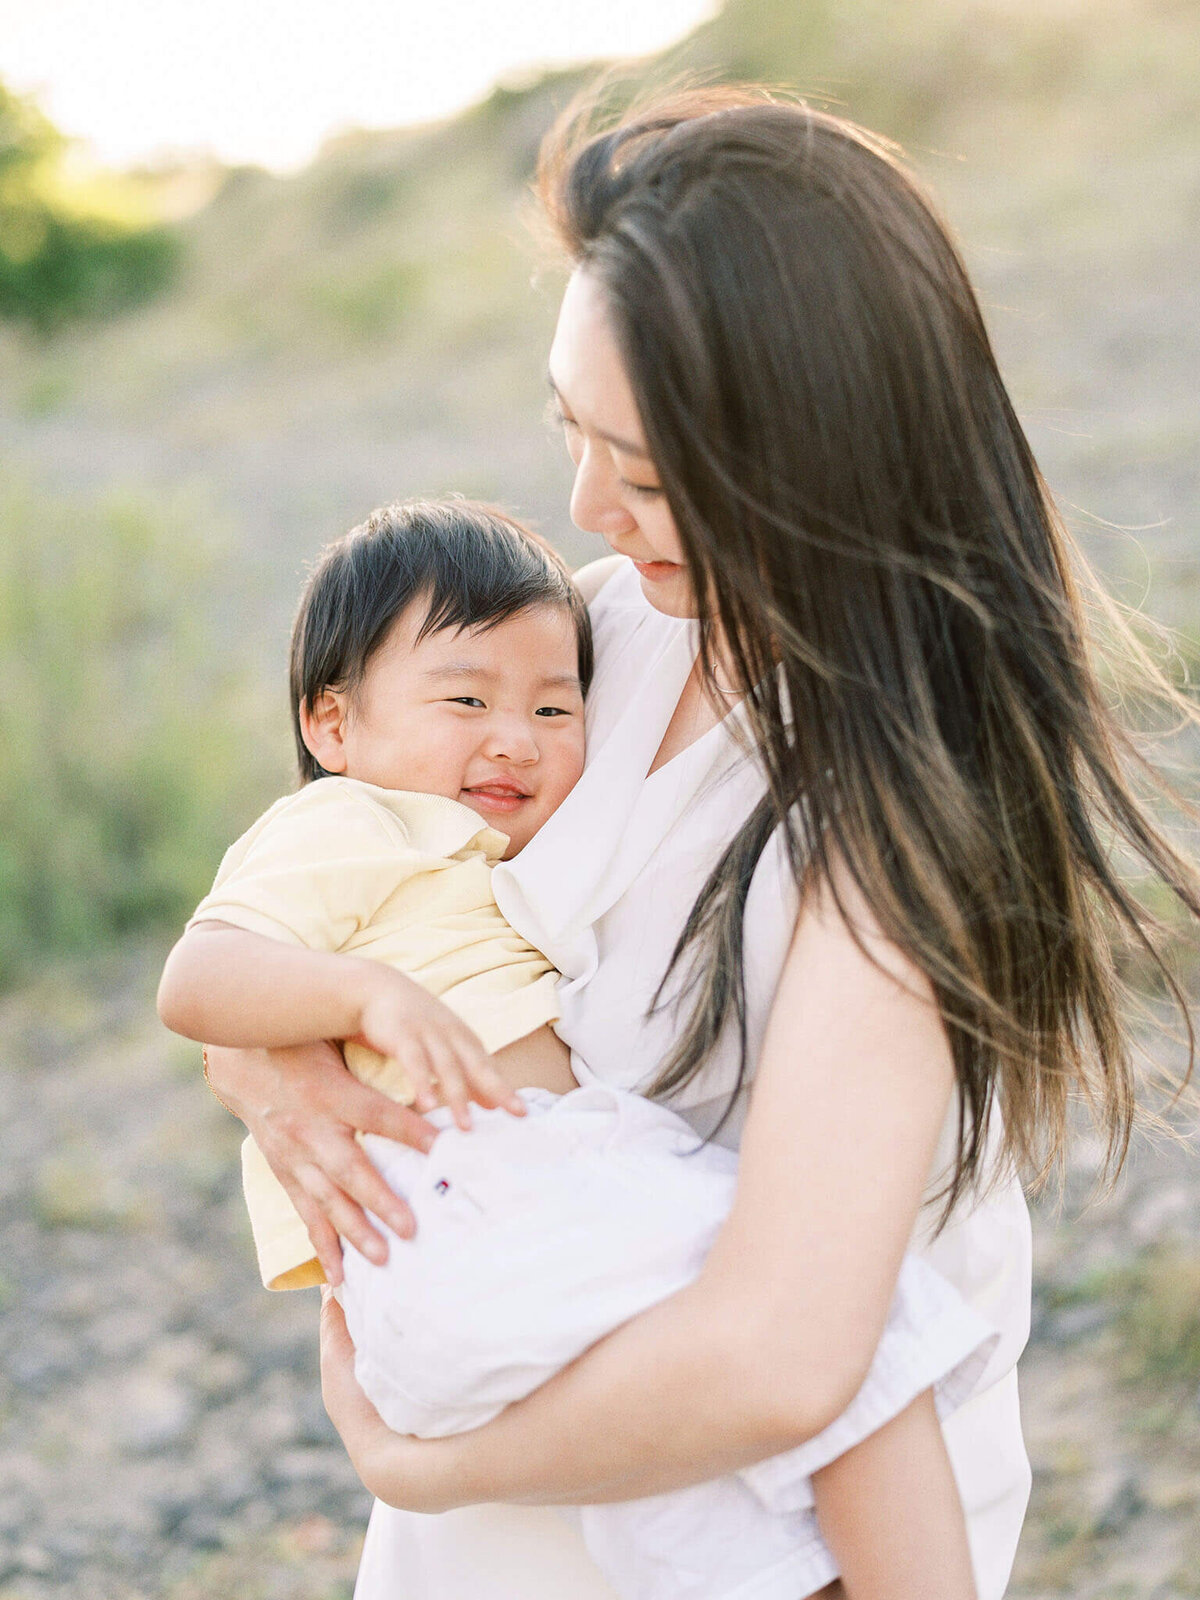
(890, 1512)
(227, 986)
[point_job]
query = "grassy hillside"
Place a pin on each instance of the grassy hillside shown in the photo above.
(377, 325)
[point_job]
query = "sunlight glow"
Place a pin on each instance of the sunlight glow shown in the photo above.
(267, 80)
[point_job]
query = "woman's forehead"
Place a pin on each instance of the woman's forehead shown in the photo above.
(586, 369)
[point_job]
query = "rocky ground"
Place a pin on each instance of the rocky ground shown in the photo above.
(162, 1433)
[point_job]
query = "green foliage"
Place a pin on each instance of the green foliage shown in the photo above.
(58, 259)
(130, 760)
(368, 304)
(1152, 1306)
(1158, 1296)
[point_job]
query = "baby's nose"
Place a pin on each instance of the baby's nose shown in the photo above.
(512, 741)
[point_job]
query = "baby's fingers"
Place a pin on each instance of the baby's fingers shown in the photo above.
(489, 1087)
(450, 1078)
(485, 1084)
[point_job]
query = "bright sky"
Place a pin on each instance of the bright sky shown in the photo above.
(267, 80)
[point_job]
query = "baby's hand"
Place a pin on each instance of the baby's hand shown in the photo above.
(445, 1062)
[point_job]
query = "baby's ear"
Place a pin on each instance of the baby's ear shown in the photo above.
(322, 725)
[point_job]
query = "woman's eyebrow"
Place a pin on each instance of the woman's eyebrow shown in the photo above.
(623, 445)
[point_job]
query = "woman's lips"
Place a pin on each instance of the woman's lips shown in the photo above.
(657, 571)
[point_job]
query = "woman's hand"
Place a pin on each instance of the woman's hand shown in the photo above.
(411, 1474)
(303, 1110)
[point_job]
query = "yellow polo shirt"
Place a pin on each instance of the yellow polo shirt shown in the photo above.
(397, 877)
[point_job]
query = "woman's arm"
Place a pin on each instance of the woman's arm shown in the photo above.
(777, 1334)
(227, 986)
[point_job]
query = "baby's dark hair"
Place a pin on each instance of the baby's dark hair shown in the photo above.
(469, 565)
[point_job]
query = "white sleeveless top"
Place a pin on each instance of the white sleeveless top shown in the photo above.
(604, 889)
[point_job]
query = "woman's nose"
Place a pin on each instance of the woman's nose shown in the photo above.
(595, 505)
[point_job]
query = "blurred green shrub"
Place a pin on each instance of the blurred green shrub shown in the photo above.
(131, 729)
(63, 254)
(369, 304)
(1158, 1305)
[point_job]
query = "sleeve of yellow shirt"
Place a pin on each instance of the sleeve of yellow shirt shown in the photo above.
(314, 869)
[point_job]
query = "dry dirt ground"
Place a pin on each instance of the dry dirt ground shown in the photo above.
(162, 1433)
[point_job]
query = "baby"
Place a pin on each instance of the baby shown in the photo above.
(440, 660)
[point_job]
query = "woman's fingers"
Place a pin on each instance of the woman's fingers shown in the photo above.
(375, 1113)
(351, 1413)
(402, 1471)
(327, 1246)
(345, 1183)
(348, 1218)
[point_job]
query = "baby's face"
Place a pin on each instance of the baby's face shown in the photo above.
(491, 717)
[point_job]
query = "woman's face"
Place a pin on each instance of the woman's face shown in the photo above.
(617, 492)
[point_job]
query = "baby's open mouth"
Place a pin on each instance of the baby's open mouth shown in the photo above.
(497, 796)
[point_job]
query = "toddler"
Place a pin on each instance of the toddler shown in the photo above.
(440, 659)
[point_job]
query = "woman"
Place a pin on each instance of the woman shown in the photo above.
(847, 886)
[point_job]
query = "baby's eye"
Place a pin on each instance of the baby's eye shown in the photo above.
(551, 711)
(467, 700)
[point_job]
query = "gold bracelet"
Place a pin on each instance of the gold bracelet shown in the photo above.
(211, 1087)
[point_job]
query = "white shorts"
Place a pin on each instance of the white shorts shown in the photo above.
(538, 1235)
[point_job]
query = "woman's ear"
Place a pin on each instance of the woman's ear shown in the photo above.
(323, 727)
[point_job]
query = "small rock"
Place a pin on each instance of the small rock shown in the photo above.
(26, 1560)
(203, 1531)
(1077, 1322)
(301, 1466)
(219, 1374)
(154, 1413)
(1122, 1507)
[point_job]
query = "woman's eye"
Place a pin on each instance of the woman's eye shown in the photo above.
(467, 700)
(557, 417)
(644, 491)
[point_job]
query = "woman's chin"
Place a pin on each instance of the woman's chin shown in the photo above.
(672, 596)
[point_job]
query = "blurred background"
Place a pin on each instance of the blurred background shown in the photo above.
(264, 267)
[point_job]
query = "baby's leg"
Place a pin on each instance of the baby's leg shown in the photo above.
(889, 1510)
(538, 1061)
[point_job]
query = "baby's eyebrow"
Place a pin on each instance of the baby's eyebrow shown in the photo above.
(459, 669)
(469, 669)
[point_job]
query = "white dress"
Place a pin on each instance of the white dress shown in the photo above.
(604, 889)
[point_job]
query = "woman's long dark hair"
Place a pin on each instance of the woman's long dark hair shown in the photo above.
(876, 551)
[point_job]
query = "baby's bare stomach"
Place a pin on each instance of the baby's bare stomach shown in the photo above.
(538, 1061)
